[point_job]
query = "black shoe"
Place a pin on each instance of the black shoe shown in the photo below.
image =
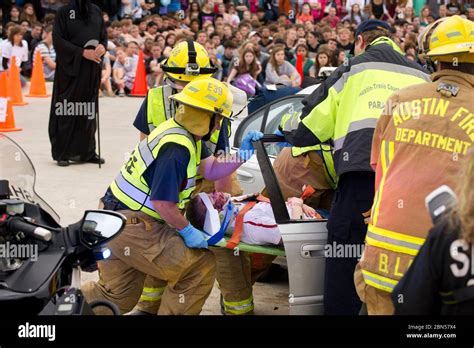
(63, 163)
(96, 159)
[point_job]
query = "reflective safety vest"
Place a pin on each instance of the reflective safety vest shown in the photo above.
(130, 188)
(325, 150)
(160, 108)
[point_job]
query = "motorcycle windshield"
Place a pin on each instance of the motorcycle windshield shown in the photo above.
(17, 168)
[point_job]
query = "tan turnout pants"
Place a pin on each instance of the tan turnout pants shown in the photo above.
(146, 247)
(378, 301)
(232, 272)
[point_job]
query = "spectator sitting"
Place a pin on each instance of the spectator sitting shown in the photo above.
(132, 50)
(307, 62)
(305, 14)
(233, 18)
(312, 43)
(160, 39)
(344, 41)
(338, 57)
(331, 19)
(266, 39)
(354, 16)
(194, 10)
(443, 11)
(135, 36)
(215, 39)
(123, 72)
(327, 34)
(331, 44)
(227, 56)
(48, 54)
(247, 64)
(290, 43)
(206, 14)
(425, 12)
(130, 8)
(147, 48)
(17, 47)
(201, 37)
(280, 71)
(151, 30)
(28, 13)
(170, 40)
(106, 73)
(454, 8)
(116, 33)
(50, 7)
(34, 36)
(14, 15)
(152, 65)
(321, 61)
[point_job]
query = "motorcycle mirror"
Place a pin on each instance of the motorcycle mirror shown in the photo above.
(100, 226)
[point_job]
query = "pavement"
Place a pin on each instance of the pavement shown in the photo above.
(74, 189)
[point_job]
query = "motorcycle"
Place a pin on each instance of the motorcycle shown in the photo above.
(40, 261)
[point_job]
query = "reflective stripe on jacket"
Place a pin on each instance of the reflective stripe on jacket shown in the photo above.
(130, 188)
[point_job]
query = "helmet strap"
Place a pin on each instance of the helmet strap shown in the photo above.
(211, 127)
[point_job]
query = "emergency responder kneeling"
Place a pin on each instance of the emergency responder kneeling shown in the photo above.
(152, 189)
(420, 142)
(187, 61)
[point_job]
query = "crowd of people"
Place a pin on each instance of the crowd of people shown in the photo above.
(252, 43)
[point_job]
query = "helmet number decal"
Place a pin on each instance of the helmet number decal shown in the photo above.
(214, 88)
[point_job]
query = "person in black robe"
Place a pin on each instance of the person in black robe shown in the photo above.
(79, 38)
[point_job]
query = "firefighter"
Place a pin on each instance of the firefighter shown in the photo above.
(187, 61)
(419, 143)
(344, 110)
(441, 278)
(296, 167)
(151, 190)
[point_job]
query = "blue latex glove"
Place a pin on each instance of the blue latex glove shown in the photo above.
(246, 148)
(282, 144)
(193, 238)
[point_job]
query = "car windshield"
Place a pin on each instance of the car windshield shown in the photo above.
(275, 113)
(17, 168)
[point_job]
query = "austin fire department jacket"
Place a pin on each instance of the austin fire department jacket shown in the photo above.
(420, 143)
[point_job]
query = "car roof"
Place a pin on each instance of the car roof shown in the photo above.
(308, 90)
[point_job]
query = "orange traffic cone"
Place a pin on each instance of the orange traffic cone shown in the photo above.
(9, 124)
(140, 87)
(3, 84)
(14, 84)
(37, 83)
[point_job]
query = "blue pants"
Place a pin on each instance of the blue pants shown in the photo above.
(346, 226)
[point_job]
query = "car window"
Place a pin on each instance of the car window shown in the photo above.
(252, 122)
(275, 114)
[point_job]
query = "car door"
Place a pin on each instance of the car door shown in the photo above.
(266, 120)
(304, 242)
